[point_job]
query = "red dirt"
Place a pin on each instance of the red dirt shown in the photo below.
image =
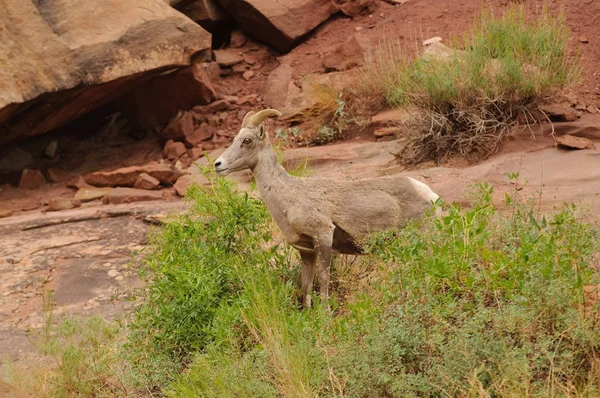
(411, 22)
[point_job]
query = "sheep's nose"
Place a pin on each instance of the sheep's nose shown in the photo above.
(217, 163)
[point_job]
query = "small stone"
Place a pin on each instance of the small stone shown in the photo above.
(113, 273)
(91, 193)
(213, 107)
(50, 150)
(385, 131)
(31, 179)
(129, 195)
(195, 153)
(237, 39)
(179, 127)
(431, 40)
(57, 175)
(173, 150)
(250, 99)
(583, 39)
(182, 185)
(227, 58)
(239, 68)
(202, 133)
(592, 109)
(559, 113)
(58, 204)
(6, 213)
(249, 59)
(146, 181)
(580, 107)
(77, 182)
(212, 70)
(247, 75)
(119, 277)
(572, 142)
(358, 28)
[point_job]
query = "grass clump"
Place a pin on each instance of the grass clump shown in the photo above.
(472, 98)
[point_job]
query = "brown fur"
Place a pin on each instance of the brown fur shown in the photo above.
(320, 216)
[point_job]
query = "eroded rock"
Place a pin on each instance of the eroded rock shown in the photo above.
(227, 57)
(155, 103)
(31, 179)
(347, 55)
(127, 176)
(280, 24)
(130, 195)
(559, 113)
(57, 175)
(84, 54)
(146, 181)
(179, 127)
(58, 204)
(91, 193)
(573, 142)
(173, 150)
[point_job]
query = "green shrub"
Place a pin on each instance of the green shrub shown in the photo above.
(478, 303)
(471, 99)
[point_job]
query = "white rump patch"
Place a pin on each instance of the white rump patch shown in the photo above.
(424, 190)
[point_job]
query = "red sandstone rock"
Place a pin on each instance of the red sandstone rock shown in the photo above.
(31, 179)
(129, 195)
(127, 176)
(173, 150)
(146, 181)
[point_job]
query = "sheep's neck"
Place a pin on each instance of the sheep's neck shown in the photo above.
(269, 174)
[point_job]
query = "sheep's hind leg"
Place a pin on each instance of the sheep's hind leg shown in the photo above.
(309, 260)
(324, 262)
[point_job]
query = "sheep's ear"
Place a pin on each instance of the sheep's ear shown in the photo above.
(261, 131)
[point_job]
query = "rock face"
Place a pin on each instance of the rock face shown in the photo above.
(65, 58)
(127, 176)
(130, 195)
(280, 23)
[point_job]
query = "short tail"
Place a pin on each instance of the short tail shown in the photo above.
(427, 193)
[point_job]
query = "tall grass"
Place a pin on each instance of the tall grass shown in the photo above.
(472, 96)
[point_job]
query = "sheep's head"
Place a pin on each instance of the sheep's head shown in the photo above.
(243, 152)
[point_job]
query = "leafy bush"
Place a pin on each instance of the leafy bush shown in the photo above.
(472, 98)
(478, 303)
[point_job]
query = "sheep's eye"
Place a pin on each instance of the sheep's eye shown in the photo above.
(247, 141)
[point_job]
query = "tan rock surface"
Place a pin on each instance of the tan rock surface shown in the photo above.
(280, 23)
(83, 54)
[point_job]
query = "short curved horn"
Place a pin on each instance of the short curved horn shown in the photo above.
(256, 119)
(247, 118)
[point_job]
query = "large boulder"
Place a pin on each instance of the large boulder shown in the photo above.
(282, 23)
(63, 58)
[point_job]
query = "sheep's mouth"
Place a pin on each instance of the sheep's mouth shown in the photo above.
(222, 172)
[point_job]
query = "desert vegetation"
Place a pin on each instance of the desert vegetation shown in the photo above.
(472, 94)
(490, 300)
(485, 301)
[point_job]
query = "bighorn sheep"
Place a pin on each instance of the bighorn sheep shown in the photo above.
(321, 216)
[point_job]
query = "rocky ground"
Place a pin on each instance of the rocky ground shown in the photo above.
(78, 202)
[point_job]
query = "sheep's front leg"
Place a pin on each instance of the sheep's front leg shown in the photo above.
(308, 275)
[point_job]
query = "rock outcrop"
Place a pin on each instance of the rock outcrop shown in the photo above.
(281, 23)
(61, 59)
